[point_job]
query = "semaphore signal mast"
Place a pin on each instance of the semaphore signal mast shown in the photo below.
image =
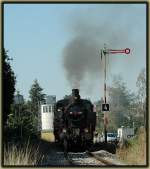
(105, 106)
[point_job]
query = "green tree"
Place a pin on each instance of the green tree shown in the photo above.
(8, 83)
(21, 123)
(141, 97)
(141, 84)
(36, 96)
(120, 100)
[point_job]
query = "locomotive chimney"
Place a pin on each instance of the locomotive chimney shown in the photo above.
(75, 92)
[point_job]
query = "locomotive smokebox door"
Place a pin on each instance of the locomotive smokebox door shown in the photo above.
(105, 107)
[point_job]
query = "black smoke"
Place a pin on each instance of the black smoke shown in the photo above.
(81, 55)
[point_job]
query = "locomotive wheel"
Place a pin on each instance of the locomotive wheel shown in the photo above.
(87, 145)
(65, 145)
(84, 146)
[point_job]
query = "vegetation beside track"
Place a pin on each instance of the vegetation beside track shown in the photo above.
(32, 152)
(135, 152)
(26, 154)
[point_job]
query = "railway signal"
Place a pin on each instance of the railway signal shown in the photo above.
(114, 51)
(105, 106)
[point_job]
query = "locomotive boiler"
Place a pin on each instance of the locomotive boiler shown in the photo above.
(74, 121)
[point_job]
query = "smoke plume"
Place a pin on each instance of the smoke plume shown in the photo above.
(81, 59)
(81, 56)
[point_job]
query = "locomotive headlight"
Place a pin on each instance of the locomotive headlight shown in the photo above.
(80, 112)
(71, 113)
(86, 130)
(64, 131)
(58, 110)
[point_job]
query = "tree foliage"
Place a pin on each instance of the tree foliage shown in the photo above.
(141, 96)
(126, 108)
(141, 84)
(8, 83)
(36, 96)
(21, 123)
(120, 100)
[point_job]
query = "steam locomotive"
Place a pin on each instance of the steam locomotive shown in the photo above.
(74, 121)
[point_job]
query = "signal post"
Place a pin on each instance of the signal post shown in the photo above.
(105, 106)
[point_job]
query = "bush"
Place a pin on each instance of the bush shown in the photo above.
(135, 152)
(20, 125)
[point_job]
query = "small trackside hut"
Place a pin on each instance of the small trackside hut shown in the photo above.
(47, 117)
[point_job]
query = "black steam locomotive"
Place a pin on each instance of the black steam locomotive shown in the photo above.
(74, 121)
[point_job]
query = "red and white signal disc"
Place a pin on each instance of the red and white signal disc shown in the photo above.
(127, 50)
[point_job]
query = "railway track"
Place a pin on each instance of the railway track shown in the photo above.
(106, 158)
(83, 159)
(79, 159)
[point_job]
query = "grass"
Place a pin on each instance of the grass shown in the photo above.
(135, 153)
(22, 155)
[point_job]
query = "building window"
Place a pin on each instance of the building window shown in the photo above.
(43, 109)
(49, 108)
(46, 107)
(52, 108)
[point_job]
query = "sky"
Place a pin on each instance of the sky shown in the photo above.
(48, 41)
